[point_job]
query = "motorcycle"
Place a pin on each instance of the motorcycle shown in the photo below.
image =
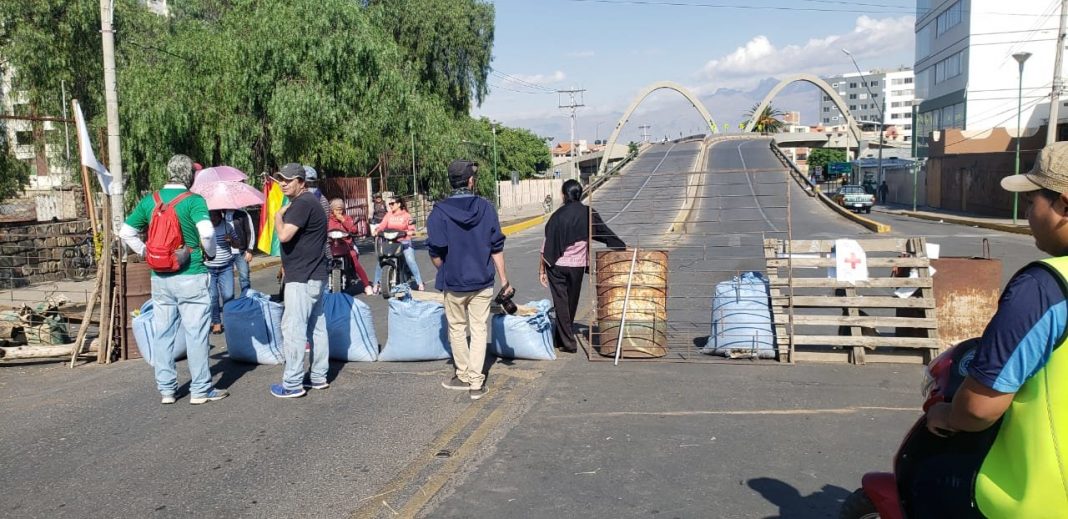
(340, 268)
(391, 257)
(888, 495)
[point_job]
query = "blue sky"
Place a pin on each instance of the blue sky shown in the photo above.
(613, 48)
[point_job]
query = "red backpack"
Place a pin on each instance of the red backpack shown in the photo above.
(165, 249)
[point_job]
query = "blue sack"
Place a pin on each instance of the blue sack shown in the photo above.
(524, 337)
(253, 327)
(741, 319)
(349, 327)
(417, 331)
(145, 337)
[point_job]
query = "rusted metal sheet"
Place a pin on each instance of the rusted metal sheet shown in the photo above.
(966, 296)
(645, 334)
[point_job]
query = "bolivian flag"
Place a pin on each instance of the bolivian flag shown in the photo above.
(268, 239)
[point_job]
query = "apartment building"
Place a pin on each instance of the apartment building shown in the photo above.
(868, 95)
(966, 75)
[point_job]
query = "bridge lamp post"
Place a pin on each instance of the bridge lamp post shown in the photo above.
(878, 106)
(1020, 58)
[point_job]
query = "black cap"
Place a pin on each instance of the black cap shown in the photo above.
(460, 171)
(291, 171)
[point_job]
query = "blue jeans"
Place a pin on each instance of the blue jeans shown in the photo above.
(409, 258)
(220, 284)
(180, 304)
(243, 283)
(303, 322)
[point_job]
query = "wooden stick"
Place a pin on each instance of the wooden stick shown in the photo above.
(106, 291)
(109, 343)
(90, 204)
(37, 352)
(87, 317)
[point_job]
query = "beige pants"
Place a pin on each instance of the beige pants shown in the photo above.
(467, 313)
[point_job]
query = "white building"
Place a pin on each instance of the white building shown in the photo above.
(890, 91)
(966, 75)
(49, 170)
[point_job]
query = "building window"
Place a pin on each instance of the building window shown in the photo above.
(874, 83)
(826, 109)
(908, 81)
(947, 68)
(826, 119)
(948, 19)
(834, 85)
(826, 98)
(863, 96)
(24, 138)
(852, 85)
(863, 107)
(852, 96)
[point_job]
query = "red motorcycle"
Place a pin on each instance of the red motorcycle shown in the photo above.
(894, 495)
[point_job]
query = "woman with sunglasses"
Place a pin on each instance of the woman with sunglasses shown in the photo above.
(398, 219)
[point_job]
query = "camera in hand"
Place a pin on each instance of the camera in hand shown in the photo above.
(504, 299)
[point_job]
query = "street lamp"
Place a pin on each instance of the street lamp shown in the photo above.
(1020, 58)
(882, 115)
(916, 160)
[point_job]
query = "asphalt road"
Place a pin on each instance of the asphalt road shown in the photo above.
(568, 438)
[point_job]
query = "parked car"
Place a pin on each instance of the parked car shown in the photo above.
(854, 198)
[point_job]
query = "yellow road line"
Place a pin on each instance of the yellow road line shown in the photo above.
(509, 230)
(840, 410)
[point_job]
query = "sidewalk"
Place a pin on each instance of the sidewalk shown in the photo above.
(956, 217)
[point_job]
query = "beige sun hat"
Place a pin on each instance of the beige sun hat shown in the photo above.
(1050, 172)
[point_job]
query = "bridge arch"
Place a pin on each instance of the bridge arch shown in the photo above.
(822, 85)
(670, 85)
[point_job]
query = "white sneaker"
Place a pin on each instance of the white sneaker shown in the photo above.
(167, 399)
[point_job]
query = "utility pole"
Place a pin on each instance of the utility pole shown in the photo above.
(574, 103)
(111, 102)
(1058, 83)
(645, 132)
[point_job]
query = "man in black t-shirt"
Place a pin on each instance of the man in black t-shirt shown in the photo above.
(301, 228)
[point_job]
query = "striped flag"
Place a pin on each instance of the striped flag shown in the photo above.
(268, 239)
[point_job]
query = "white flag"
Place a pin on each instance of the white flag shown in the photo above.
(86, 149)
(851, 263)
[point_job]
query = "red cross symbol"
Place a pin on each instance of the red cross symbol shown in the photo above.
(853, 260)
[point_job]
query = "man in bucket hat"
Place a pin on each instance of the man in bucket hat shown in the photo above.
(1016, 390)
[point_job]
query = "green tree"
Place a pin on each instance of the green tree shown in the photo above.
(446, 45)
(822, 156)
(768, 121)
(632, 148)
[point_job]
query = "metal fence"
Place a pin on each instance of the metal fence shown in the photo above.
(690, 237)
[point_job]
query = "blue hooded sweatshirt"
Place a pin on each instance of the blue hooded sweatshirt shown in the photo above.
(463, 230)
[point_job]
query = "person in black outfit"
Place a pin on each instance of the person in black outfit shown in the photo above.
(565, 258)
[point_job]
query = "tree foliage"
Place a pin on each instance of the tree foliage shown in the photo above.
(823, 156)
(14, 173)
(255, 84)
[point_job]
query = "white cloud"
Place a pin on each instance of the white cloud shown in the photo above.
(536, 79)
(872, 41)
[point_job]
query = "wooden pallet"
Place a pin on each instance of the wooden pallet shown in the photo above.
(822, 319)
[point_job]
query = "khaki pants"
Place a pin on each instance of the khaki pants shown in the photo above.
(467, 313)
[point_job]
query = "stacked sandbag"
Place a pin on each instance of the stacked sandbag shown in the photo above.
(741, 319)
(253, 327)
(417, 331)
(349, 327)
(524, 336)
(145, 336)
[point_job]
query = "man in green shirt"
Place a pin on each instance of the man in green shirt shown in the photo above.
(180, 301)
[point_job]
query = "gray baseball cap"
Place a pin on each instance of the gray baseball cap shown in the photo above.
(1050, 172)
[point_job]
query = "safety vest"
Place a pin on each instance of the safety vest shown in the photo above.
(1025, 474)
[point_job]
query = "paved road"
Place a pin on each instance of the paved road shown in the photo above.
(568, 438)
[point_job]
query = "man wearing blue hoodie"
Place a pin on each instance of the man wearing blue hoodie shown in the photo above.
(466, 245)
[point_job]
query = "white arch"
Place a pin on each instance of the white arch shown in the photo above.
(670, 85)
(822, 85)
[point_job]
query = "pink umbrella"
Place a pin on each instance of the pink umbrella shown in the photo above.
(228, 194)
(219, 174)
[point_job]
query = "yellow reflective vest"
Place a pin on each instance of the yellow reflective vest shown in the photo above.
(1025, 474)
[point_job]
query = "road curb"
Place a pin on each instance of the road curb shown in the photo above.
(872, 225)
(1015, 229)
(509, 230)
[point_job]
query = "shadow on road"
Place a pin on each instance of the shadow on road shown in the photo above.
(822, 503)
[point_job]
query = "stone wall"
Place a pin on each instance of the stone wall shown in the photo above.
(45, 252)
